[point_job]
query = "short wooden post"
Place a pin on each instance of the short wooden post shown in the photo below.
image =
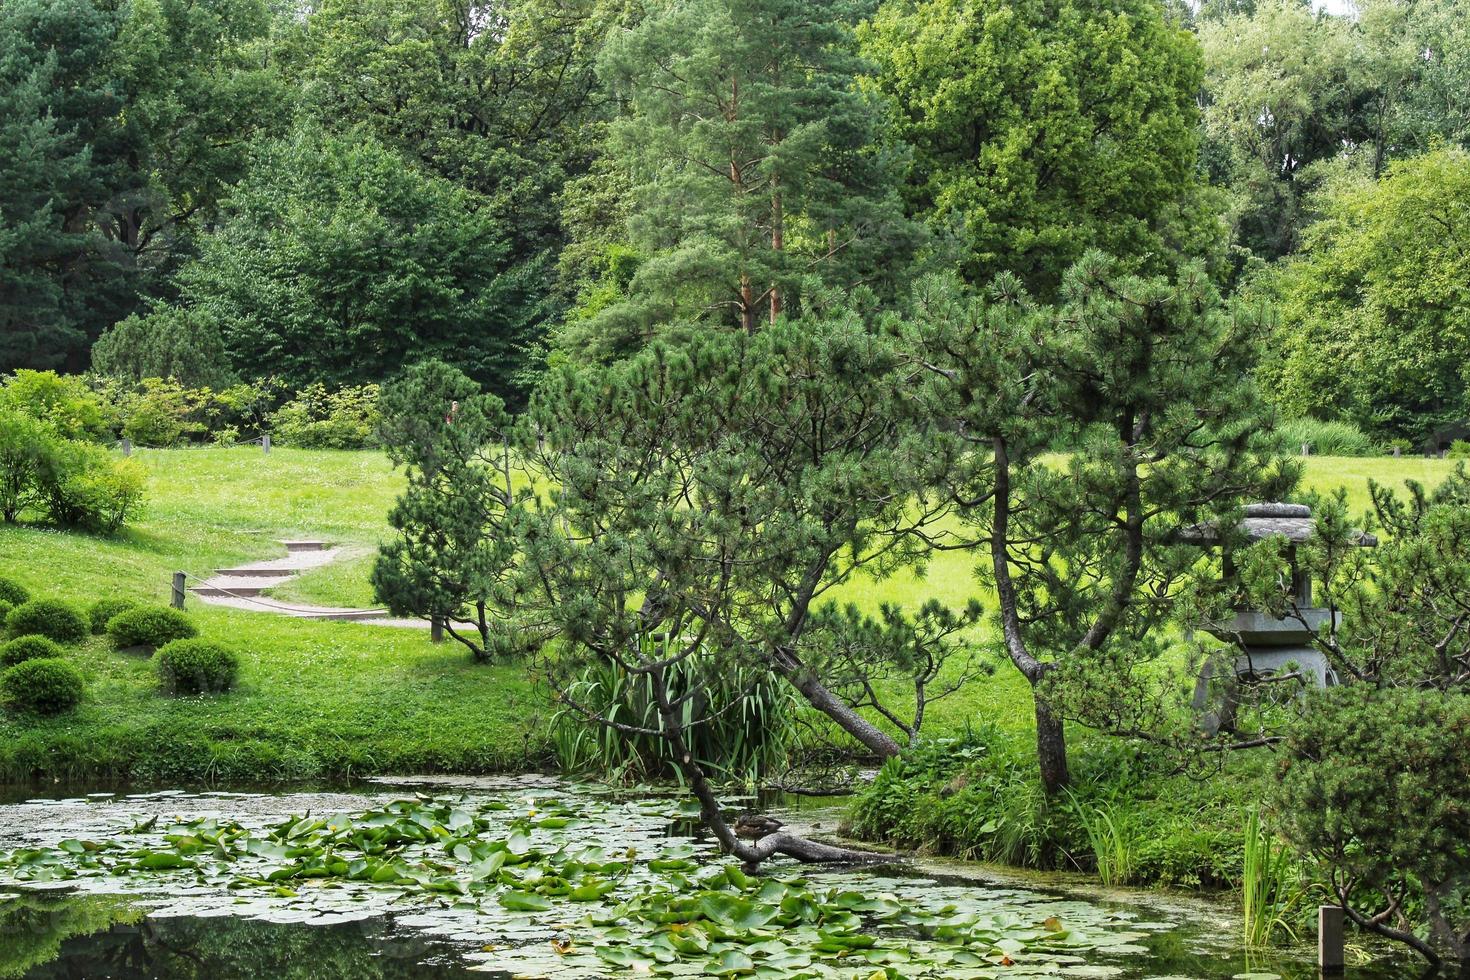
(127, 447)
(436, 629)
(265, 443)
(1330, 958)
(1397, 452)
(1306, 449)
(178, 597)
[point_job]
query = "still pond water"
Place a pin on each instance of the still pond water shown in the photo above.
(531, 877)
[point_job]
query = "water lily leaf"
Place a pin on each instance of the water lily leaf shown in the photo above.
(518, 901)
(163, 861)
(731, 963)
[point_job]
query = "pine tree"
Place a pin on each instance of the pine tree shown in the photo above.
(753, 162)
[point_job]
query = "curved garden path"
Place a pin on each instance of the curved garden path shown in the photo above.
(244, 586)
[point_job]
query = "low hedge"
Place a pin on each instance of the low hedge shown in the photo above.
(43, 687)
(52, 618)
(29, 648)
(196, 667)
(150, 626)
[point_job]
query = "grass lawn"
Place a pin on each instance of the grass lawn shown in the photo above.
(314, 698)
(332, 699)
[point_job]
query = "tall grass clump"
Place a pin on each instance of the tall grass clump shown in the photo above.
(1110, 838)
(1335, 438)
(739, 724)
(1270, 887)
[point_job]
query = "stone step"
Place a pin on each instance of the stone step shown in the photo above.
(255, 571)
(293, 546)
(346, 615)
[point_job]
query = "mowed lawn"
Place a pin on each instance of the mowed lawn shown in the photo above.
(327, 699)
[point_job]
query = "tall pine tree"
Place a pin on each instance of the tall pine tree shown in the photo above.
(752, 162)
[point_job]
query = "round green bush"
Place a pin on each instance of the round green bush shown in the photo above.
(43, 687)
(102, 611)
(5, 607)
(149, 626)
(51, 618)
(195, 667)
(29, 648)
(12, 592)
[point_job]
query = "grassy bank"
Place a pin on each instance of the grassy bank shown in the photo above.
(315, 699)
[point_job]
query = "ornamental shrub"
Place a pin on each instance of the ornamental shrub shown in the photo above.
(195, 667)
(100, 613)
(82, 486)
(13, 592)
(44, 687)
(52, 618)
(149, 626)
(320, 419)
(26, 648)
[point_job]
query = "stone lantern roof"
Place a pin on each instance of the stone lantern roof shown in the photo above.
(1262, 521)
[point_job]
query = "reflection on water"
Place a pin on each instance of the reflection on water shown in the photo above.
(87, 936)
(182, 928)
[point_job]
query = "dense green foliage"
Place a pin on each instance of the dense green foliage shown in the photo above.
(30, 647)
(149, 626)
(335, 262)
(977, 797)
(100, 613)
(52, 618)
(1041, 130)
(751, 163)
(1372, 785)
(1375, 309)
(44, 686)
(195, 667)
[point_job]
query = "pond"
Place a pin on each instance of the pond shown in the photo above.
(529, 876)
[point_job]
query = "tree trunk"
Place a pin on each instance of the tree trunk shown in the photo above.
(778, 244)
(1051, 749)
(873, 738)
(768, 846)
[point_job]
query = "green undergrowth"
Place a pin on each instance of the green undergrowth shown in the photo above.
(1125, 818)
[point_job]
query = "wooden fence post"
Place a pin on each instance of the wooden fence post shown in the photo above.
(1330, 958)
(1306, 449)
(265, 443)
(127, 447)
(178, 596)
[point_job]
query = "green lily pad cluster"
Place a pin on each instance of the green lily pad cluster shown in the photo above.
(591, 887)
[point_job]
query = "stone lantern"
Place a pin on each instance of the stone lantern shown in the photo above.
(1266, 644)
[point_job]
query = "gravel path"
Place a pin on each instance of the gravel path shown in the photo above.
(243, 586)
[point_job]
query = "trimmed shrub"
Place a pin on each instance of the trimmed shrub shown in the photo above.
(28, 648)
(195, 667)
(51, 618)
(5, 608)
(13, 592)
(150, 626)
(44, 687)
(100, 613)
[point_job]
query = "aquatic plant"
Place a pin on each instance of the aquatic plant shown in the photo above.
(596, 870)
(1270, 887)
(740, 725)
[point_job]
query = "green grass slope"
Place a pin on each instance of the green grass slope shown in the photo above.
(322, 699)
